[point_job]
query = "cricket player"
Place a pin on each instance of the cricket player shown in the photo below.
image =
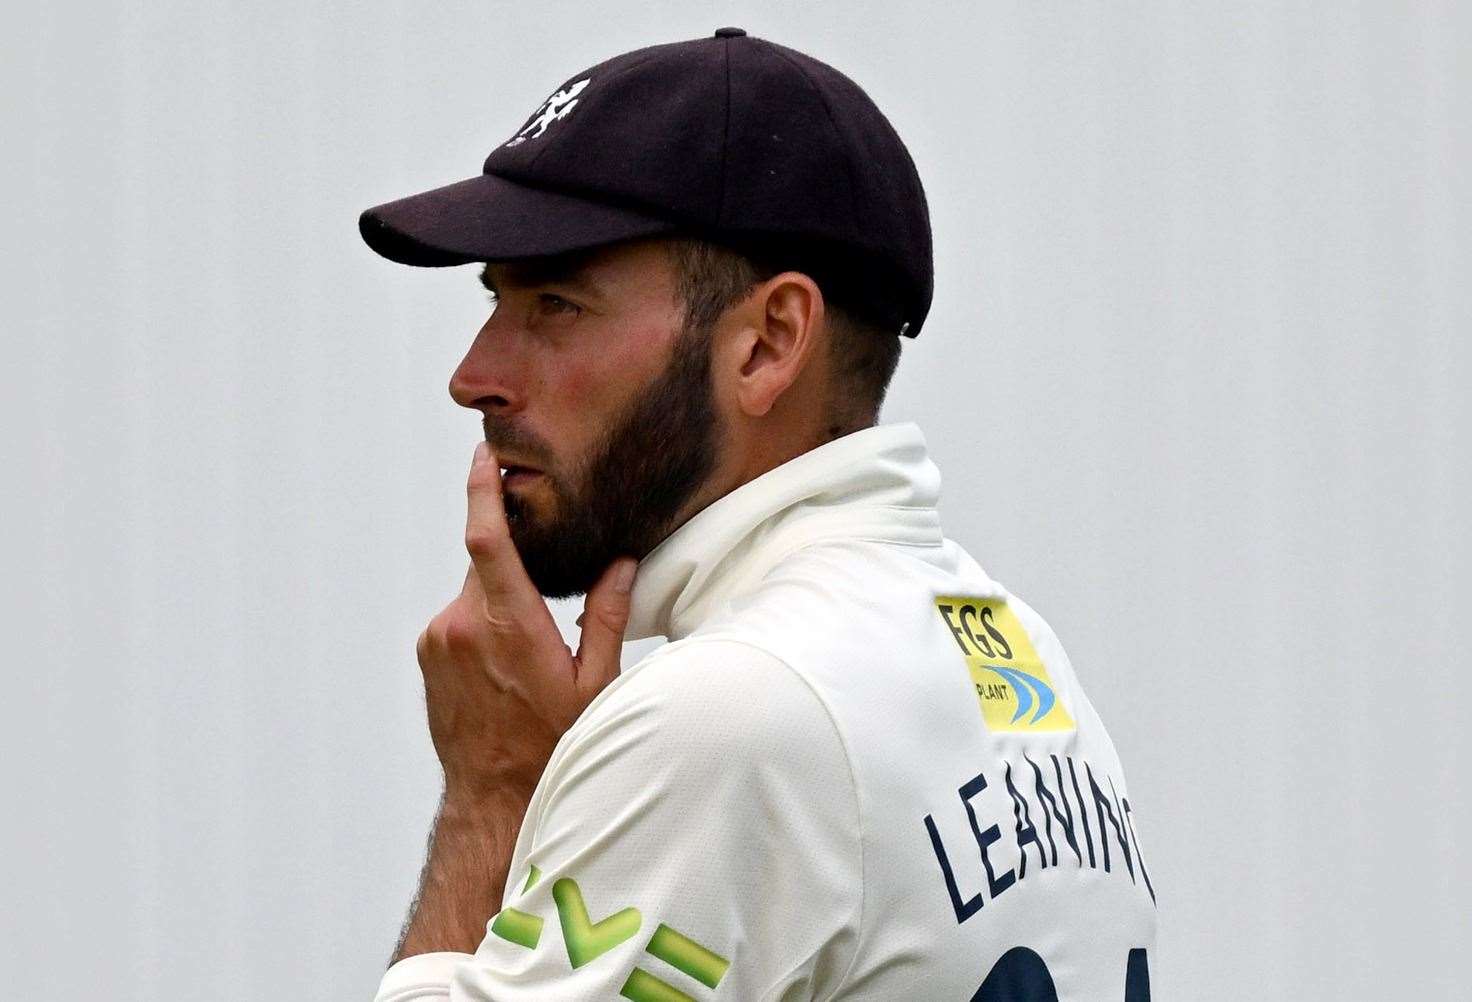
(861, 768)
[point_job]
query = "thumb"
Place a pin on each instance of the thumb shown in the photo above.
(605, 615)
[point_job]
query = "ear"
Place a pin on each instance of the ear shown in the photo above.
(777, 337)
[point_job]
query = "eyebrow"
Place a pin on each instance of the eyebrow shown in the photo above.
(562, 269)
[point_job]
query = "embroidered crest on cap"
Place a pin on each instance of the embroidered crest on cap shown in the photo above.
(555, 107)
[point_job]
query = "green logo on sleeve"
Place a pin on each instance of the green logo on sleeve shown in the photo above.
(645, 987)
(684, 954)
(587, 940)
(519, 927)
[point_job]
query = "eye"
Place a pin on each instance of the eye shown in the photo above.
(557, 304)
(492, 298)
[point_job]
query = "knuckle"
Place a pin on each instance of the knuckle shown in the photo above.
(460, 639)
(461, 635)
(431, 644)
(613, 615)
(483, 541)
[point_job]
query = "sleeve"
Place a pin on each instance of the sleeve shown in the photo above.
(695, 837)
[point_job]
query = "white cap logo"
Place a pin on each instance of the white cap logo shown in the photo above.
(555, 107)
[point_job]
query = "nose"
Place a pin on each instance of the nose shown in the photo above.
(486, 380)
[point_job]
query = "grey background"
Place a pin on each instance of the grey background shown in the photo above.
(1195, 378)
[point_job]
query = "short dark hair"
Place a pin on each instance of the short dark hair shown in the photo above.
(863, 310)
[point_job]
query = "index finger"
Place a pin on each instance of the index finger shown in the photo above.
(510, 597)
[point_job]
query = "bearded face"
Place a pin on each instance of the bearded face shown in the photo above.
(623, 496)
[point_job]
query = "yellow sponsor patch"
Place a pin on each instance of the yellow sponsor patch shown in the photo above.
(1012, 683)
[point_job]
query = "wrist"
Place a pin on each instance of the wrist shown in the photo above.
(484, 804)
(464, 875)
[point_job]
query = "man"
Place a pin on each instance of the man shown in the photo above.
(861, 768)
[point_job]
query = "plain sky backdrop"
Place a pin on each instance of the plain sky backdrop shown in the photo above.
(1196, 378)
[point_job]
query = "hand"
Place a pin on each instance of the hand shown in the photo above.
(501, 687)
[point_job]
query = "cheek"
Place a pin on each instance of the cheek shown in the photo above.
(587, 398)
(584, 401)
(604, 381)
(586, 390)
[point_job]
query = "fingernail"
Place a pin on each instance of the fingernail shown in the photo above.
(623, 581)
(482, 453)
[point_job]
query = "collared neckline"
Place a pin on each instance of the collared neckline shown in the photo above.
(877, 483)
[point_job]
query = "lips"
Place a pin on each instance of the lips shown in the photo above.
(517, 476)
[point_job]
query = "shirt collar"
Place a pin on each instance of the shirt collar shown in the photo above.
(877, 483)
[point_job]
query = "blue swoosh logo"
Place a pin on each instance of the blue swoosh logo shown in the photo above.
(1027, 687)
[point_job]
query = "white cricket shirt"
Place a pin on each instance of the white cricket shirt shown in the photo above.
(860, 769)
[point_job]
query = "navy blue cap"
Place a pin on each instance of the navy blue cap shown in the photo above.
(729, 137)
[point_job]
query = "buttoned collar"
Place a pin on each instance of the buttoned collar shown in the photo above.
(877, 483)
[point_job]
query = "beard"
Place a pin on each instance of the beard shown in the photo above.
(624, 498)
